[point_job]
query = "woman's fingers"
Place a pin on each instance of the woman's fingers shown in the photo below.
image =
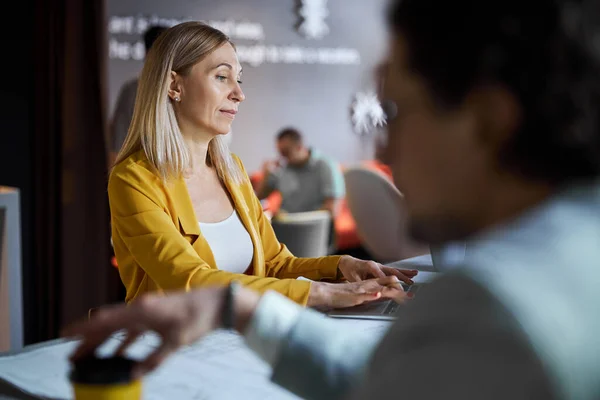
(375, 269)
(403, 274)
(392, 288)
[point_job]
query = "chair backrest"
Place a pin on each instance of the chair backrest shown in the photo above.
(304, 234)
(11, 299)
(379, 212)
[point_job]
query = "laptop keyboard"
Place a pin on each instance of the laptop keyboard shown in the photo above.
(392, 307)
(411, 288)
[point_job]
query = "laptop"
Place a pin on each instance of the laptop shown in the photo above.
(385, 309)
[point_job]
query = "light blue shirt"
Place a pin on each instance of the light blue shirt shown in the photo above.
(545, 266)
(521, 319)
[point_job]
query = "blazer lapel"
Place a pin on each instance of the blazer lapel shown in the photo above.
(188, 223)
(185, 211)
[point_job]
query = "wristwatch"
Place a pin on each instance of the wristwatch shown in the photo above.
(228, 312)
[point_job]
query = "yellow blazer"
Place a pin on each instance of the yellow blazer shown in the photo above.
(159, 245)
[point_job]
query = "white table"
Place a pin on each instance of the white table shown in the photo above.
(218, 367)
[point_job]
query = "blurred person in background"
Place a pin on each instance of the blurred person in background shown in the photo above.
(126, 100)
(494, 138)
(306, 179)
(183, 212)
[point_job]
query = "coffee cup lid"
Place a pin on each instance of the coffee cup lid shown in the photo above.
(93, 370)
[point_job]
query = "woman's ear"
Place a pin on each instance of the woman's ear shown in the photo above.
(175, 86)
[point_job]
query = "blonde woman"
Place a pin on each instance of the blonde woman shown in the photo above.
(183, 211)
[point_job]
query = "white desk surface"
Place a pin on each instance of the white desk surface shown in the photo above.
(421, 263)
(218, 367)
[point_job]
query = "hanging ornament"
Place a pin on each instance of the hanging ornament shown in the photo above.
(313, 13)
(366, 113)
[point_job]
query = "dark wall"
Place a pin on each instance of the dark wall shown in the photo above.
(16, 127)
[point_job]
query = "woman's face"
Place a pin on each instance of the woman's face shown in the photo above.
(210, 94)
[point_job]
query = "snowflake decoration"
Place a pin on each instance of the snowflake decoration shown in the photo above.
(367, 113)
(314, 13)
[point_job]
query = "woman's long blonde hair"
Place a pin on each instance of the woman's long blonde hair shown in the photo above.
(154, 126)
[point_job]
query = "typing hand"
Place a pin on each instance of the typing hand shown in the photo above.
(341, 295)
(356, 270)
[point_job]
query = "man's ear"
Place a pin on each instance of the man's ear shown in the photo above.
(175, 86)
(498, 115)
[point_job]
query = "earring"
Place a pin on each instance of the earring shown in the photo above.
(177, 99)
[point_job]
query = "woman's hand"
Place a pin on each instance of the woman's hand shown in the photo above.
(180, 319)
(342, 295)
(356, 270)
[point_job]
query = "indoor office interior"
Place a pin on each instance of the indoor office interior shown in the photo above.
(97, 210)
(70, 122)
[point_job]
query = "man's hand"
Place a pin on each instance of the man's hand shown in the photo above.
(262, 188)
(270, 166)
(356, 270)
(179, 318)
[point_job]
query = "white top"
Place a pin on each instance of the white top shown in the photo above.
(230, 243)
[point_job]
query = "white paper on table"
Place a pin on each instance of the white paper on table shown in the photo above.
(218, 367)
(41, 372)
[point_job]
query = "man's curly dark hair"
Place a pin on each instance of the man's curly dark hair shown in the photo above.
(536, 49)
